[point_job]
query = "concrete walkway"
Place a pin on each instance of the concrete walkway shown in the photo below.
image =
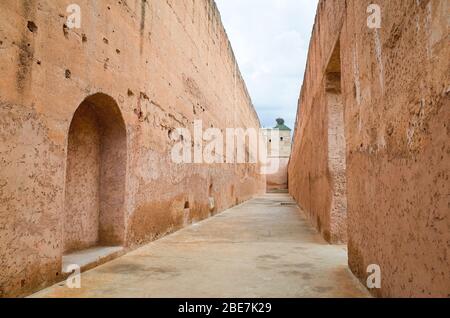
(262, 248)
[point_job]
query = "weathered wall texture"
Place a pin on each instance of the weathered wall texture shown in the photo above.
(395, 91)
(311, 176)
(149, 67)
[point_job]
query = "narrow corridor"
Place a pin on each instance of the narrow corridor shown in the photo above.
(262, 248)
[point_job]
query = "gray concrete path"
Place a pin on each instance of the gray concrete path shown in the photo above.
(262, 248)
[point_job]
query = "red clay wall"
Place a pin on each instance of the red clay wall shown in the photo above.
(310, 177)
(165, 63)
(395, 86)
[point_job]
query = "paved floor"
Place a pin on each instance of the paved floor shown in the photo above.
(262, 248)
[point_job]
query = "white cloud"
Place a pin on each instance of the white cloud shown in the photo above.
(270, 39)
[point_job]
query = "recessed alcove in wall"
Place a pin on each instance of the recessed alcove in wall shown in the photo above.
(336, 148)
(95, 176)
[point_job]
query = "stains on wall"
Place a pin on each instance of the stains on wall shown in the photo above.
(30, 195)
(26, 46)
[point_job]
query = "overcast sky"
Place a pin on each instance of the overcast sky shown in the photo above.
(270, 39)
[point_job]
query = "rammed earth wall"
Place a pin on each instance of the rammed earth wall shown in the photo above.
(85, 122)
(394, 86)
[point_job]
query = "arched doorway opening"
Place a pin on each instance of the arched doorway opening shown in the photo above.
(95, 176)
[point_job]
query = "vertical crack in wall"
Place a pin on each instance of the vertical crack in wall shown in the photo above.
(26, 47)
(379, 56)
(142, 25)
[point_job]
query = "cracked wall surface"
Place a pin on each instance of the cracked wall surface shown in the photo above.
(165, 63)
(395, 93)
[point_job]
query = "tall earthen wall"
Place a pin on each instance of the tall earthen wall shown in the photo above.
(161, 65)
(395, 90)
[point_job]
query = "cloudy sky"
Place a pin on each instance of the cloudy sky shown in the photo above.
(270, 39)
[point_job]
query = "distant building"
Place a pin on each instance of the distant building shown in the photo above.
(279, 144)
